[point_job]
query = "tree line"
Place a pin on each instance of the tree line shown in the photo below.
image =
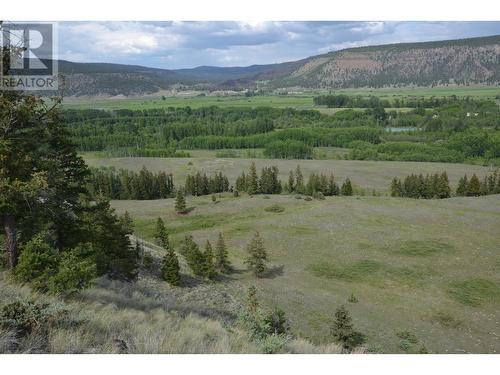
(436, 186)
(417, 186)
(371, 101)
(474, 187)
(201, 184)
(126, 184)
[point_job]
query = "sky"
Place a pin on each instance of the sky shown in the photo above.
(174, 45)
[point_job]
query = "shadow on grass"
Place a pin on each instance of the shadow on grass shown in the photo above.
(273, 272)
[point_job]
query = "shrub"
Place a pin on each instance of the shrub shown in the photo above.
(274, 208)
(407, 335)
(75, 271)
(38, 263)
(352, 298)
(147, 259)
(343, 330)
(405, 345)
(24, 317)
(318, 195)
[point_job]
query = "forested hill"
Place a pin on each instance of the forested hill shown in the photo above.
(464, 62)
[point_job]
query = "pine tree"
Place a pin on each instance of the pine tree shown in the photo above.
(291, 182)
(209, 272)
(127, 223)
(462, 186)
(443, 190)
(299, 181)
(180, 201)
(194, 257)
(474, 187)
(257, 255)
(222, 263)
(396, 188)
(346, 188)
(170, 270)
(343, 330)
(253, 181)
(161, 235)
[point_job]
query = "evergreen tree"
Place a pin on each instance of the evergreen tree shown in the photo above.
(396, 188)
(194, 257)
(257, 255)
(443, 189)
(474, 187)
(241, 182)
(180, 202)
(346, 187)
(210, 272)
(222, 263)
(253, 182)
(291, 182)
(299, 181)
(333, 188)
(170, 270)
(343, 330)
(462, 186)
(127, 223)
(161, 235)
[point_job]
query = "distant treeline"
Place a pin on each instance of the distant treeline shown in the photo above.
(313, 137)
(268, 183)
(417, 186)
(437, 186)
(201, 184)
(371, 101)
(125, 184)
(473, 187)
(458, 147)
(145, 185)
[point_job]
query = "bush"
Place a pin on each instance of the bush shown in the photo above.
(75, 271)
(405, 345)
(318, 195)
(24, 317)
(38, 263)
(147, 259)
(274, 208)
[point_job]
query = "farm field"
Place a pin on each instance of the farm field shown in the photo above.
(364, 174)
(302, 101)
(423, 266)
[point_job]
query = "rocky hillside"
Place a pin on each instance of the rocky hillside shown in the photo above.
(466, 61)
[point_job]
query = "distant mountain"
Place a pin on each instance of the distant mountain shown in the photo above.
(464, 61)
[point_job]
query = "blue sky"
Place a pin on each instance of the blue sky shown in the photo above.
(173, 45)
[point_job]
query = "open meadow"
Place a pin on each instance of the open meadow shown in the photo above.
(297, 101)
(430, 268)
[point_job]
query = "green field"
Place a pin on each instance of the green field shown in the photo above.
(302, 101)
(364, 174)
(429, 267)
